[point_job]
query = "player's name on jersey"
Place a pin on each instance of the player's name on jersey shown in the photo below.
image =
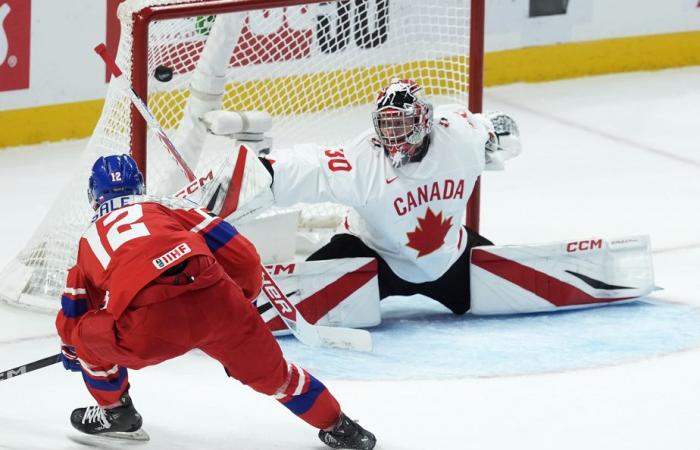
(112, 204)
(445, 190)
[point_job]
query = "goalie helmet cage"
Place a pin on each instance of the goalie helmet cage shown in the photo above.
(315, 67)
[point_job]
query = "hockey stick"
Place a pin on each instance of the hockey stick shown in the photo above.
(314, 335)
(309, 334)
(21, 370)
(145, 112)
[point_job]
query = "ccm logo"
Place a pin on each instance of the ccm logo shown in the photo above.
(281, 268)
(195, 185)
(13, 373)
(582, 246)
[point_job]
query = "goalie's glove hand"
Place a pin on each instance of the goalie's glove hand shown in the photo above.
(504, 140)
(69, 358)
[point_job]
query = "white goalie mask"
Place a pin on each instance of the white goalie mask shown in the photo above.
(402, 120)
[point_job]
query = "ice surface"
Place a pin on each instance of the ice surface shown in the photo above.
(605, 156)
(499, 346)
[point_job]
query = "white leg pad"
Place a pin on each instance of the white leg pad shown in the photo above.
(534, 278)
(341, 292)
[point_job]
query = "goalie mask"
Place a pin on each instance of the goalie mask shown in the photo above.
(402, 120)
(114, 176)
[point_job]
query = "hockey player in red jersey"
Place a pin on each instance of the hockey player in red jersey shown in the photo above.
(155, 278)
(408, 181)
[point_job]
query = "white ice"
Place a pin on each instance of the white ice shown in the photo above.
(604, 157)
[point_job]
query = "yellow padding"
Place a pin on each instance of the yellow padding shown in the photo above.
(592, 58)
(49, 123)
(319, 91)
(77, 120)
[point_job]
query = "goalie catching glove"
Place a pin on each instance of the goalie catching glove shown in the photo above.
(504, 140)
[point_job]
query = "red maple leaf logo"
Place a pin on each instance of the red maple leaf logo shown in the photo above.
(430, 233)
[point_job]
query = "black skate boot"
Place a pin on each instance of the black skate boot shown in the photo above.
(120, 422)
(348, 434)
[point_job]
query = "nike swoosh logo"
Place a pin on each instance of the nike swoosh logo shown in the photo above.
(390, 180)
(597, 284)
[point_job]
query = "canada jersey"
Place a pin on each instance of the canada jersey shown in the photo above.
(131, 242)
(410, 215)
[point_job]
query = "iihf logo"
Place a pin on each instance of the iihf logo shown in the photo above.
(4, 11)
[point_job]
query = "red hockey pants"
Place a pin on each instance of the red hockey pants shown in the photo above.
(208, 312)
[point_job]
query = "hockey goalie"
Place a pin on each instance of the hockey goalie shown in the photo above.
(406, 182)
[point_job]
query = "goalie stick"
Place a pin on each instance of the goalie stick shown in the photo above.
(305, 332)
(29, 367)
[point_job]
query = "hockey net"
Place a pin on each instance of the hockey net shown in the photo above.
(315, 68)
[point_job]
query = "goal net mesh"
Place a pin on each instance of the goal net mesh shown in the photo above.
(315, 68)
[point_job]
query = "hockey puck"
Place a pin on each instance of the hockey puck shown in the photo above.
(163, 74)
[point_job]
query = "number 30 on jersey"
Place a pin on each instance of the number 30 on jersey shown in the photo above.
(337, 161)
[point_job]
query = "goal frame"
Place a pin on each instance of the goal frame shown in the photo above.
(139, 73)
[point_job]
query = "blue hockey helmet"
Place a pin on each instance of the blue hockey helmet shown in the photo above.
(114, 176)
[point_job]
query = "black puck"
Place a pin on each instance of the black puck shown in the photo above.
(163, 73)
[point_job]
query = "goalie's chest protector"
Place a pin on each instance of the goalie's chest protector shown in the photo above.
(413, 215)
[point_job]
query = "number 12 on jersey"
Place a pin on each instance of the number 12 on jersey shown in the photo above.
(122, 226)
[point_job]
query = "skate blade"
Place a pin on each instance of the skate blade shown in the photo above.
(118, 437)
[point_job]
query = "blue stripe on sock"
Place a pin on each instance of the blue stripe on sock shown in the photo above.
(114, 384)
(302, 403)
(73, 308)
(219, 236)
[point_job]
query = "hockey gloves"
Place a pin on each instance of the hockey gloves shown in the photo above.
(69, 358)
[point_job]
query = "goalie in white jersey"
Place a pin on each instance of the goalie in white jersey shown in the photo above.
(407, 181)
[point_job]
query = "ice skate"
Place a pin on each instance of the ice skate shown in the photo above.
(349, 435)
(119, 422)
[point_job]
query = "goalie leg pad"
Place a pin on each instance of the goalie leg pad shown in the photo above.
(537, 278)
(341, 293)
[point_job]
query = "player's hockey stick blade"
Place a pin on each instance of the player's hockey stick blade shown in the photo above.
(346, 338)
(119, 438)
(309, 334)
(21, 370)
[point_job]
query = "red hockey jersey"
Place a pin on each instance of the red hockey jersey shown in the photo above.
(134, 239)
